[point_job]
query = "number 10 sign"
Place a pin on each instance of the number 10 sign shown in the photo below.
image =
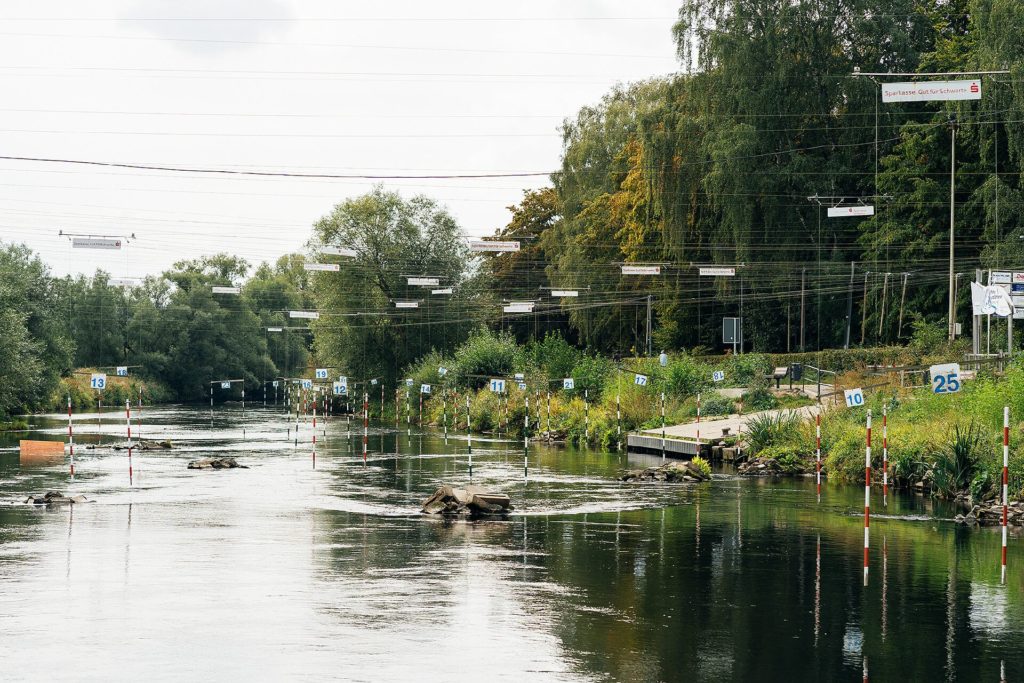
(945, 378)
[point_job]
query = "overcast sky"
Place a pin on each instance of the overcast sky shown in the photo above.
(388, 87)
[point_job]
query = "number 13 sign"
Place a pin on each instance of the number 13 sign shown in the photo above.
(945, 378)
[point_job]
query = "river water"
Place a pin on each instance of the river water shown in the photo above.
(286, 572)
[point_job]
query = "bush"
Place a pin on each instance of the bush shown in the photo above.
(703, 465)
(716, 404)
(685, 377)
(555, 356)
(486, 355)
(591, 373)
(772, 430)
(957, 464)
(744, 368)
(759, 396)
(786, 456)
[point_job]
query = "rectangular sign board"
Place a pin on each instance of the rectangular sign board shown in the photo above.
(123, 281)
(641, 270)
(407, 304)
(121, 370)
(1000, 277)
(640, 380)
(518, 308)
(945, 378)
(854, 398)
(717, 271)
(568, 383)
(498, 386)
(490, 245)
(331, 267)
(98, 381)
(840, 211)
(225, 385)
(226, 290)
(564, 292)
(338, 251)
(321, 373)
(424, 281)
(95, 243)
(309, 315)
(928, 91)
(446, 290)
(275, 329)
(425, 388)
(307, 384)
(718, 375)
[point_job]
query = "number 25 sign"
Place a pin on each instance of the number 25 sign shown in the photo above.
(945, 378)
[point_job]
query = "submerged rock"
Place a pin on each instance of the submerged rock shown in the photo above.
(55, 498)
(683, 470)
(145, 446)
(768, 467)
(215, 464)
(471, 500)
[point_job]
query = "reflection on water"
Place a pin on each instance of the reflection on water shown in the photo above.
(283, 571)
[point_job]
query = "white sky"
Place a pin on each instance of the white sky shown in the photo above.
(387, 87)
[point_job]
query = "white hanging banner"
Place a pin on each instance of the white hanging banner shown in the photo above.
(488, 245)
(95, 243)
(518, 308)
(424, 281)
(338, 251)
(641, 270)
(407, 304)
(716, 271)
(309, 315)
(332, 267)
(123, 281)
(991, 300)
(226, 290)
(275, 329)
(858, 210)
(446, 290)
(564, 292)
(928, 91)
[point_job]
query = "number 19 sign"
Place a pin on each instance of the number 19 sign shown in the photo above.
(945, 378)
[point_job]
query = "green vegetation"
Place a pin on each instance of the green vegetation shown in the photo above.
(703, 465)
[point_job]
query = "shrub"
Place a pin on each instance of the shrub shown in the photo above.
(685, 377)
(744, 368)
(716, 404)
(772, 429)
(591, 373)
(786, 455)
(957, 464)
(555, 356)
(703, 465)
(484, 355)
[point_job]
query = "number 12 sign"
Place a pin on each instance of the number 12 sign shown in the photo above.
(945, 378)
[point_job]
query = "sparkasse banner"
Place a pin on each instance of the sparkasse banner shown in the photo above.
(926, 91)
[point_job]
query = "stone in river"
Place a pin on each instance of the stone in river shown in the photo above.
(215, 464)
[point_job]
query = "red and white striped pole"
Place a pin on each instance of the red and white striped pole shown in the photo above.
(366, 423)
(885, 454)
(71, 438)
(314, 433)
(867, 499)
(1006, 482)
(140, 413)
(128, 420)
(817, 450)
(698, 423)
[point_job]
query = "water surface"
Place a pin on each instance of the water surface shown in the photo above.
(286, 572)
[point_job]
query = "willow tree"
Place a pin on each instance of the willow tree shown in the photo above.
(361, 330)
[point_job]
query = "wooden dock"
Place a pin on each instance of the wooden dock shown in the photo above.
(680, 449)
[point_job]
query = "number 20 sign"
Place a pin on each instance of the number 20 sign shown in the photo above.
(945, 378)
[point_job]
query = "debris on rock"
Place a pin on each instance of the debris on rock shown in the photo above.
(215, 464)
(471, 500)
(55, 498)
(676, 471)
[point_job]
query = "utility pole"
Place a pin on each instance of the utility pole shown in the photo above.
(864, 311)
(953, 125)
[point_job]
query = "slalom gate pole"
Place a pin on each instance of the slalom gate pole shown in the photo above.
(885, 455)
(698, 423)
(71, 439)
(408, 415)
(444, 413)
(526, 434)
(817, 450)
(618, 420)
(663, 426)
(469, 437)
(549, 414)
(139, 406)
(128, 422)
(586, 416)
(314, 434)
(366, 423)
(1006, 484)
(867, 498)
(421, 409)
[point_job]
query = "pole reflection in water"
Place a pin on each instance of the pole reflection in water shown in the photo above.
(817, 590)
(885, 587)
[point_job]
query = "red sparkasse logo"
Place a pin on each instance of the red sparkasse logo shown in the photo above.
(974, 87)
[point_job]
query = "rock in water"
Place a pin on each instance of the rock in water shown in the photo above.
(676, 471)
(55, 498)
(215, 464)
(471, 500)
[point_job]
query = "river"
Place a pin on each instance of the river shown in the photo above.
(286, 572)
